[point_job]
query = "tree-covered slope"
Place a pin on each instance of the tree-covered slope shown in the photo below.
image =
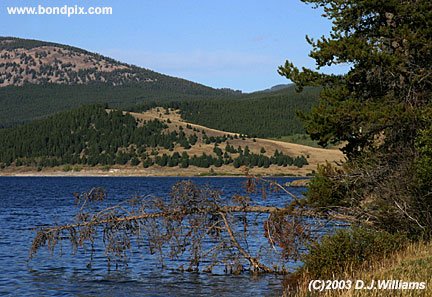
(29, 102)
(260, 114)
(92, 135)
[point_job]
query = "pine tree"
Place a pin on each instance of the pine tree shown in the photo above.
(380, 110)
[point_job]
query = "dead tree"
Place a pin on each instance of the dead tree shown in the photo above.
(194, 222)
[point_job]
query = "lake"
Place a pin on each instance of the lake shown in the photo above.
(26, 202)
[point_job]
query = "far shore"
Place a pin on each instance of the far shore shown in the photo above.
(156, 171)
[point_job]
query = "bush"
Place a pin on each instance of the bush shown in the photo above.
(134, 161)
(67, 168)
(77, 168)
(325, 190)
(349, 249)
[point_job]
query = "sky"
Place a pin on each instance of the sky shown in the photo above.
(234, 44)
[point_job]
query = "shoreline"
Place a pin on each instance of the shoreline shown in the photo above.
(131, 175)
(60, 174)
(156, 172)
(297, 182)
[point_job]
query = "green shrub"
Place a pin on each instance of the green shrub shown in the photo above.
(77, 168)
(349, 249)
(134, 161)
(67, 168)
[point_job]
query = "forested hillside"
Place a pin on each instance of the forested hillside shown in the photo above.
(261, 114)
(23, 104)
(92, 135)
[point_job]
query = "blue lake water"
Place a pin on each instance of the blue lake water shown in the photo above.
(26, 202)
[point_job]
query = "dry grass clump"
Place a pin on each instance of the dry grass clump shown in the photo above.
(412, 264)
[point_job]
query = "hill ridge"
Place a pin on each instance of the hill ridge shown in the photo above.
(40, 62)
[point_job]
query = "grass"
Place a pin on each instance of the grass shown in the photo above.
(413, 264)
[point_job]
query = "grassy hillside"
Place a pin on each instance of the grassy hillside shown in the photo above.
(413, 264)
(157, 142)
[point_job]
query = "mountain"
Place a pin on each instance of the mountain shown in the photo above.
(26, 61)
(36, 62)
(40, 78)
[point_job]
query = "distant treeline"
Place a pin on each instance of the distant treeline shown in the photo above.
(244, 158)
(11, 43)
(92, 136)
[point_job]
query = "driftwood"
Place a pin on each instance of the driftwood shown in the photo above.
(193, 215)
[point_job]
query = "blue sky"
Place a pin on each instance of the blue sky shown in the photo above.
(235, 44)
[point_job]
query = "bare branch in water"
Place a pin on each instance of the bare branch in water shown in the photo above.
(195, 222)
